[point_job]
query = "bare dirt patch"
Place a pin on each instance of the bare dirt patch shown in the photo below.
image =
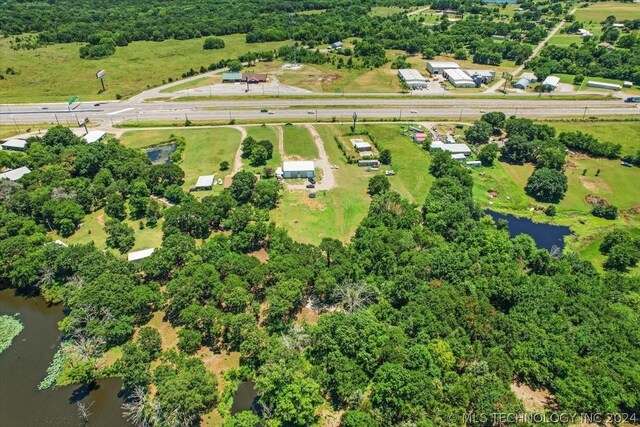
(597, 186)
(595, 200)
(261, 255)
(100, 219)
(307, 316)
(168, 333)
(218, 364)
(492, 194)
(533, 400)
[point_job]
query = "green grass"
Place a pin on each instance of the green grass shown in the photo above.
(598, 12)
(204, 151)
(335, 213)
(56, 72)
(259, 133)
(568, 78)
(591, 250)
(10, 327)
(386, 10)
(625, 133)
(298, 143)
(202, 81)
(565, 39)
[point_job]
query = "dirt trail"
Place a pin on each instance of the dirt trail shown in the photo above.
(328, 179)
(237, 161)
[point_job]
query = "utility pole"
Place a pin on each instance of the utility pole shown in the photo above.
(57, 121)
(516, 114)
(316, 114)
(585, 113)
(460, 119)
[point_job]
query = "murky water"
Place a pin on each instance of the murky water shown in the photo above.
(161, 154)
(23, 365)
(545, 235)
(244, 397)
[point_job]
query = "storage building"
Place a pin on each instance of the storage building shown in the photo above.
(94, 136)
(231, 77)
(522, 83)
(436, 67)
(627, 84)
(360, 145)
(529, 76)
(603, 85)
(459, 157)
(451, 148)
(550, 83)
(336, 45)
(15, 174)
(458, 78)
(369, 163)
(298, 169)
(412, 78)
(205, 182)
(254, 78)
(474, 163)
(14, 144)
(138, 255)
(485, 76)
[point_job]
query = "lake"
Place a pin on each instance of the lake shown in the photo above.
(546, 236)
(23, 365)
(161, 154)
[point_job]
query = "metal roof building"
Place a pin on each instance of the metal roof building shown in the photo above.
(94, 136)
(603, 85)
(452, 148)
(522, 83)
(436, 67)
(254, 77)
(458, 78)
(551, 82)
(205, 182)
(412, 78)
(14, 144)
(298, 169)
(231, 77)
(487, 76)
(138, 255)
(15, 174)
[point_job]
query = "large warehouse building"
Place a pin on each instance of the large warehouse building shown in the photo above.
(298, 169)
(603, 85)
(412, 78)
(436, 67)
(458, 78)
(451, 148)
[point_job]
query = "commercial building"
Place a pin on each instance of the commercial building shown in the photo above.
(412, 78)
(603, 85)
(14, 144)
(15, 174)
(485, 76)
(254, 78)
(451, 148)
(94, 136)
(231, 77)
(205, 182)
(138, 255)
(458, 78)
(550, 83)
(298, 169)
(436, 67)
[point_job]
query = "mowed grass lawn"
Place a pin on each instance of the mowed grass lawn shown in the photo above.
(56, 72)
(298, 143)
(625, 133)
(334, 213)
(260, 133)
(204, 150)
(599, 11)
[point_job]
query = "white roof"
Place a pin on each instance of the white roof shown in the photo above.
(205, 181)
(551, 81)
(60, 242)
(15, 174)
(443, 64)
(603, 85)
(138, 255)
(529, 76)
(15, 143)
(298, 166)
(408, 74)
(362, 144)
(458, 156)
(483, 73)
(454, 148)
(458, 75)
(94, 135)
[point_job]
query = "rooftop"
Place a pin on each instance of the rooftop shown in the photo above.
(15, 174)
(94, 136)
(138, 255)
(15, 143)
(455, 148)
(551, 81)
(230, 75)
(409, 74)
(457, 75)
(205, 181)
(443, 64)
(298, 166)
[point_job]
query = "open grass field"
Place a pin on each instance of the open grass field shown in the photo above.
(386, 10)
(598, 12)
(568, 78)
(335, 213)
(565, 39)
(298, 143)
(199, 82)
(204, 151)
(54, 73)
(625, 133)
(260, 133)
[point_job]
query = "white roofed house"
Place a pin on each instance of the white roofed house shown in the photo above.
(205, 182)
(361, 145)
(94, 136)
(14, 144)
(15, 174)
(298, 169)
(138, 255)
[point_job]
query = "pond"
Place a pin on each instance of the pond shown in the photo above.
(545, 235)
(23, 365)
(244, 399)
(161, 154)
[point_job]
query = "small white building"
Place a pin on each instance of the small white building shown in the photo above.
(138, 255)
(522, 83)
(458, 78)
(550, 83)
(412, 78)
(14, 144)
(361, 145)
(94, 136)
(459, 157)
(529, 76)
(15, 174)
(298, 169)
(451, 148)
(584, 33)
(627, 84)
(205, 182)
(603, 85)
(436, 67)
(336, 45)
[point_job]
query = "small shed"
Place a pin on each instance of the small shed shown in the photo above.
(474, 163)
(298, 169)
(627, 84)
(205, 182)
(94, 136)
(15, 174)
(369, 163)
(336, 45)
(231, 77)
(361, 145)
(138, 255)
(14, 144)
(459, 157)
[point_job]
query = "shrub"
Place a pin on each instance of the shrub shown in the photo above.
(605, 211)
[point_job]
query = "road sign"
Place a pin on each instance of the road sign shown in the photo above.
(73, 99)
(100, 74)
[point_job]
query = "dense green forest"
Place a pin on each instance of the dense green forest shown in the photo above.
(433, 311)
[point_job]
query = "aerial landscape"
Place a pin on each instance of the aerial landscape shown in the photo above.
(323, 213)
